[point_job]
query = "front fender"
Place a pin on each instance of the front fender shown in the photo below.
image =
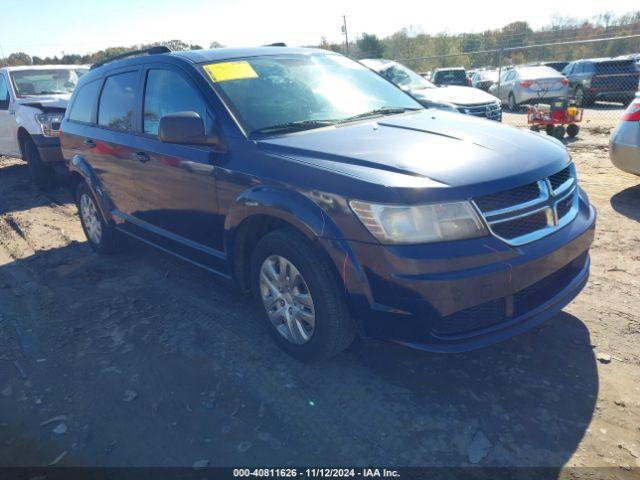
(302, 213)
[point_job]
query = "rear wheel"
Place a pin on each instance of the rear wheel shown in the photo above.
(41, 174)
(572, 130)
(558, 132)
(549, 129)
(302, 299)
(102, 237)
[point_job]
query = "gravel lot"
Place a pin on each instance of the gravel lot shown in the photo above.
(141, 359)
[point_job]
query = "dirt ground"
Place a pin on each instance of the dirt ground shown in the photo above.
(141, 359)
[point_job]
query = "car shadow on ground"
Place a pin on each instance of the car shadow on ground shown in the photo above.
(627, 202)
(207, 375)
(19, 192)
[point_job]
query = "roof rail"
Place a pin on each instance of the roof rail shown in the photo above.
(145, 51)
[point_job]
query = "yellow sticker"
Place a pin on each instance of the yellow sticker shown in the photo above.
(221, 72)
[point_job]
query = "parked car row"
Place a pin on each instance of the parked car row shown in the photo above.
(608, 79)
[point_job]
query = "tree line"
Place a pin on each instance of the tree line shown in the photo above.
(423, 51)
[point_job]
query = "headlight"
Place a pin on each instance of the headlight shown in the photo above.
(50, 122)
(435, 222)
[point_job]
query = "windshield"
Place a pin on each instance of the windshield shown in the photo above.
(538, 72)
(45, 82)
(403, 77)
(303, 91)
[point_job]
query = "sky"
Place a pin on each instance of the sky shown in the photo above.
(46, 28)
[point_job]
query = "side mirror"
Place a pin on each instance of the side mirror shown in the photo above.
(186, 128)
(4, 103)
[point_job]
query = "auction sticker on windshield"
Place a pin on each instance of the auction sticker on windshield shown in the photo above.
(224, 71)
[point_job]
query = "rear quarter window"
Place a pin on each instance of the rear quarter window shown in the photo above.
(117, 101)
(82, 108)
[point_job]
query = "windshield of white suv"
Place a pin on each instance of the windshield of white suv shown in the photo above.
(403, 77)
(45, 82)
(287, 93)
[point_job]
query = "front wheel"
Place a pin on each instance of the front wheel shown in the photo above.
(41, 174)
(511, 102)
(302, 296)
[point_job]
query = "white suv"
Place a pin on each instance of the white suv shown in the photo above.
(33, 100)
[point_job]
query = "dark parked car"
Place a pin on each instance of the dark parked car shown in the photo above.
(556, 65)
(451, 76)
(330, 194)
(611, 79)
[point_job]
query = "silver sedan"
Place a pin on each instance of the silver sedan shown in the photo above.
(624, 143)
(535, 84)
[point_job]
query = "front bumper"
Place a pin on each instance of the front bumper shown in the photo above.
(49, 149)
(624, 147)
(463, 295)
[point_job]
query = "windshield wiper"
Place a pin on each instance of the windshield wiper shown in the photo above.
(379, 112)
(295, 126)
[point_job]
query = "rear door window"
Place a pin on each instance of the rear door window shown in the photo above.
(117, 101)
(168, 92)
(82, 108)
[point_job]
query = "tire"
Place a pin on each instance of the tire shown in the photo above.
(583, 99)
(333, 329)
(534, 128)
(558, 132)
(102, 237)
(42, 175)
(572, 130)
(512, 105)
(549, 129)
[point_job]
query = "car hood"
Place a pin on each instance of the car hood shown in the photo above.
(44, 102)
(454, 94)
(428, 148)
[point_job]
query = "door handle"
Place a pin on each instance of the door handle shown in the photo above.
(89, 143)
(142, 157)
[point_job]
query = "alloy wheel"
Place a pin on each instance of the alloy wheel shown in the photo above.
(287, 299)
(90, 220)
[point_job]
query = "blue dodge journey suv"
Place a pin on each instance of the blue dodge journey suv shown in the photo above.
(342, 204)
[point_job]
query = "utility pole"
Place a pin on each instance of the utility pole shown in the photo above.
(346, 37)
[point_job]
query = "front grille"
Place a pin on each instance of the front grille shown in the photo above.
(492, 110)
(564, 206)
(560, 178)
(508, 198)
(521, 226)
(532, 211)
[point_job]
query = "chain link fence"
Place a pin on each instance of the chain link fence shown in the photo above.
(599, 88)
